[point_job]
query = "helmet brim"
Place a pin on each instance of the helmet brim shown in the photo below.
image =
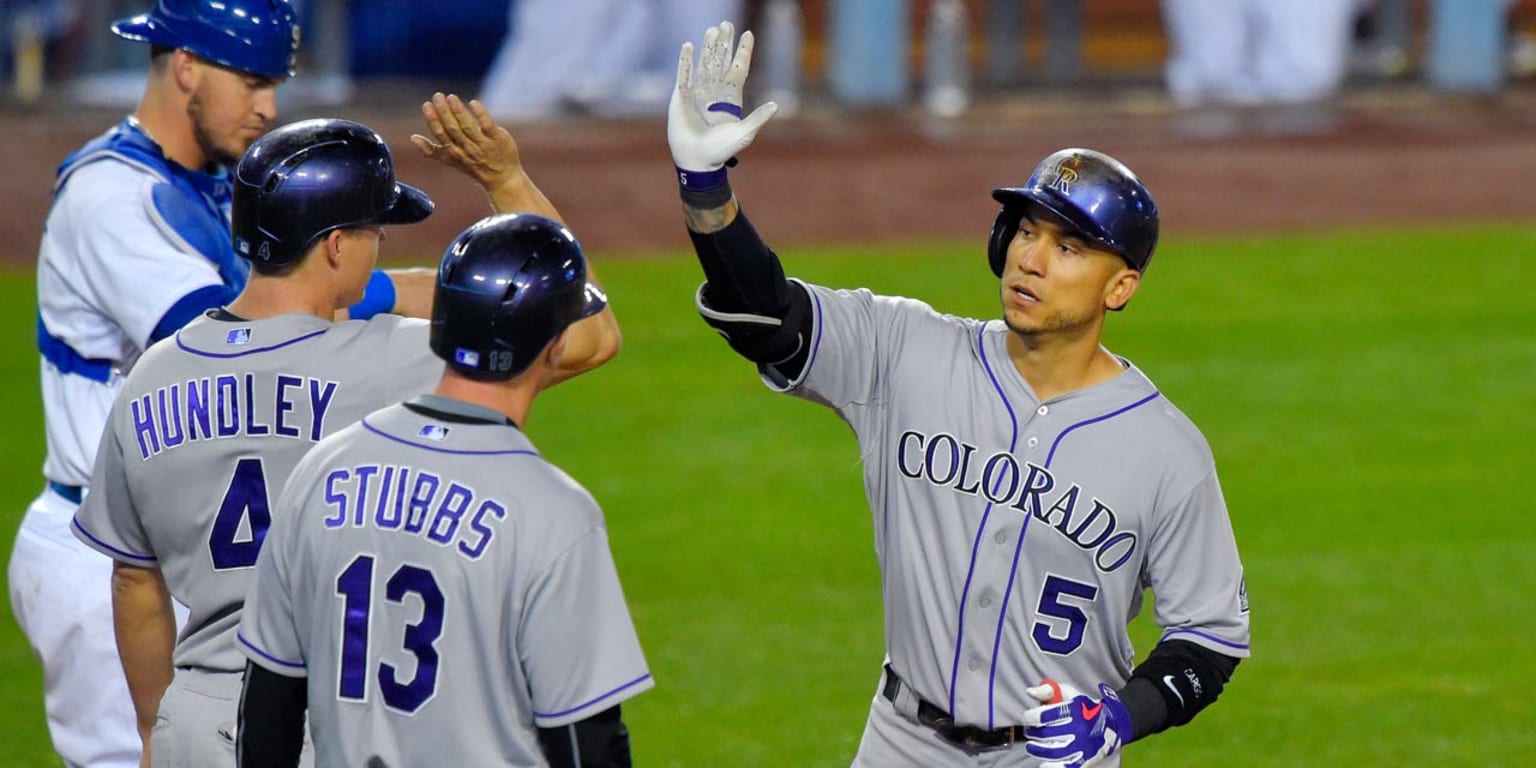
(1051, 201)
(140, 28)
(410, 206)
(596, 301)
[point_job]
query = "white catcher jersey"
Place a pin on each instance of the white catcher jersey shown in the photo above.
(109, 267)
(1015, 537)
(205, 433)
(444, 589)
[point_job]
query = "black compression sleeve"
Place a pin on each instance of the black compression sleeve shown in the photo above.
(1176, 681)
(271, 729)
(744, 275)
(600, 741)
(765, 318)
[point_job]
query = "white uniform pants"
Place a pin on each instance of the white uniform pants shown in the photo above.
(1251, 52)
(61, 593)
(559, 50)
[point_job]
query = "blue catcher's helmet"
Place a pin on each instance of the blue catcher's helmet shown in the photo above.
(507, 286)
(256, 36)
(1090, 190)
(304, 179)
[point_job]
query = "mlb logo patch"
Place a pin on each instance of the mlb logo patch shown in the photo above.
(435, 432)
(238, 337)
(466, 357)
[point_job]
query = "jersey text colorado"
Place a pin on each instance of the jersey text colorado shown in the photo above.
(1001, 478)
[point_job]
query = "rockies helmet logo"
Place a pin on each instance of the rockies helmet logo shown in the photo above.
(1066, 174)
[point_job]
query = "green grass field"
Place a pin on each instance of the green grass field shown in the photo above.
(1371, 400)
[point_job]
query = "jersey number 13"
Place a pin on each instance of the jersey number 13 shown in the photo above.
(355, 586)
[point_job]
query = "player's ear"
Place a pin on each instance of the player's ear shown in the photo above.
(556, 348)
(1120, 288)
(186, 70)
(333, 241)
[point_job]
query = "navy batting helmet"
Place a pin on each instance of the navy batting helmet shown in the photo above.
(1093, 192)
(256, 36)
(304, 179)
(507, 286)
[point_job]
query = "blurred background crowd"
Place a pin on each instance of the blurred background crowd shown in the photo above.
(540, 60)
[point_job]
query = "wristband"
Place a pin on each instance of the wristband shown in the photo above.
(699, 181)
(708, 199)
(378, 297)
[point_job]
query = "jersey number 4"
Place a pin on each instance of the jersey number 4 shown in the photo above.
(246, 498)
(355, 585)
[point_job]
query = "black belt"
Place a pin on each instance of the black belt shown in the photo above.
(967, 737)
(72, 492)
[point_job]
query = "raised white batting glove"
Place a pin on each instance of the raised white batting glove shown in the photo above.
(1077, 732)
(705, 128)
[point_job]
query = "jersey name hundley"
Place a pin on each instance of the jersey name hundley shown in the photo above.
(214, 407)
(1001, 478)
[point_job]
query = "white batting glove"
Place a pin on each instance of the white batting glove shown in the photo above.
(705, 128)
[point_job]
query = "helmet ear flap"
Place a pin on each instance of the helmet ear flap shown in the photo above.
(1003, 229)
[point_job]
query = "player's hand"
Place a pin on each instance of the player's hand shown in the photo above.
(467, 138)
(1078, 731)
(705, 128)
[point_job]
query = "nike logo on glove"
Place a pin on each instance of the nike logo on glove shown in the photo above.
(1168, 681)
(1090, 713)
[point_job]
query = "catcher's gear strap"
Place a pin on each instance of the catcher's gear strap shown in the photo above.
(1185, 677)
(746, 298)
(600, 741)
(271, 729)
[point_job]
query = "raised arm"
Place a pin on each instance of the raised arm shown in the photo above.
(745, 296)
(465, 137)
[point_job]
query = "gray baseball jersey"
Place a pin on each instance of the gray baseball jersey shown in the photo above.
(204, 434)
(1015, 537)
(444, 589)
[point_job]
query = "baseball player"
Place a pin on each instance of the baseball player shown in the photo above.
(135, 245)
(209, 424)
(432, 589)
(1026, 484)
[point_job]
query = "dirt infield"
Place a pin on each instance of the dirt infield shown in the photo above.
(1380, 157)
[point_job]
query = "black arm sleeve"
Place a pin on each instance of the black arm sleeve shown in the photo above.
(271, 730)
(1175, 682)
(745, 297)
(600, 741)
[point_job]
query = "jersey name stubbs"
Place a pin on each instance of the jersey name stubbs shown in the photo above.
(417, 502)
(214, 407)
(1001, 478)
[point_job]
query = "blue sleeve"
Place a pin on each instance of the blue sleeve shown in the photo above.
(189, 307)
(378, 297)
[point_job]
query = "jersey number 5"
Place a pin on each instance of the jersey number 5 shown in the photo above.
(247, 493)
(1054, 595)
(355, 585)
